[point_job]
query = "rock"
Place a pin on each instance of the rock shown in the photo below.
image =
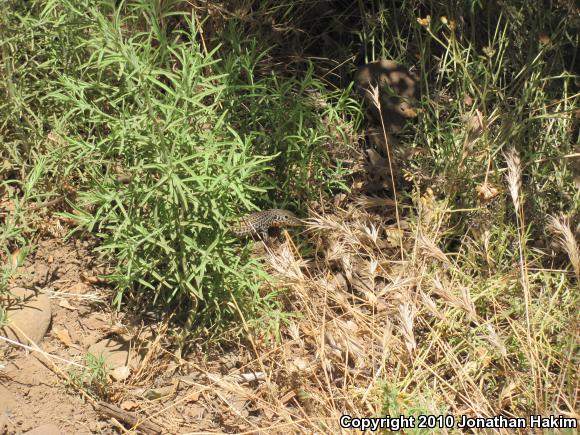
(45, 429)
(121, 373)
(398, 89)
(27, 311)
(158, 393)
(117, 353)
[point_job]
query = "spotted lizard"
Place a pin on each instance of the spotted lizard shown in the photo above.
(258, 224)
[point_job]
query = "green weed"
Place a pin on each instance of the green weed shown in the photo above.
(93, 379)
(131, 90)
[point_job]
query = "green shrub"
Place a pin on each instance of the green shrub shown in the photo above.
(129, 90)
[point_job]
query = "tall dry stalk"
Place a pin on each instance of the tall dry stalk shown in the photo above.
(514, 180)
(374, 93)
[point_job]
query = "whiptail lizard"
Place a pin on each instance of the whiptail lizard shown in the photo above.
(258, 224)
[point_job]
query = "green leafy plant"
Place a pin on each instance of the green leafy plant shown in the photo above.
(135, 93)
(93, 379)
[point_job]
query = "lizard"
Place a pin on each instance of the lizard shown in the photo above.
(258, 224)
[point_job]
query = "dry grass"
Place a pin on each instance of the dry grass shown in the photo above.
(386, 319)
(375, 335)
(560, 228)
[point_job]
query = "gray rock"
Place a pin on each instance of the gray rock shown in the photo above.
(29, 315)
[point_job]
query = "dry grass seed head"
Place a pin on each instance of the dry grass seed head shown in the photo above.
(514, 176)
(284, 263)
(366, 202)
(428, 247)
(560, 227)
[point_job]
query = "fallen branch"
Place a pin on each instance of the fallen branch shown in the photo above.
(130, 418)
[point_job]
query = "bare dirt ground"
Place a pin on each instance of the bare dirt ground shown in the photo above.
(148, 389)
(32, 393)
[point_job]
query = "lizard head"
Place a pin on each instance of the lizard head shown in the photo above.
(285, 218)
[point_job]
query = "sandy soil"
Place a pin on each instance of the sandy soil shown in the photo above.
(32, 394)
(168, 393)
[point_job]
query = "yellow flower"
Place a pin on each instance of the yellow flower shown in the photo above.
(424, 21)
(488, 51)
